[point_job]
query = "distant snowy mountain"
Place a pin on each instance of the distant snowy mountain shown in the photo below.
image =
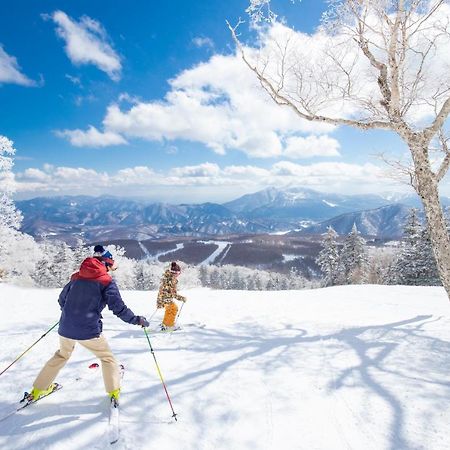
(301, 204)
(116, 218)
(267, 211)
(386, 221)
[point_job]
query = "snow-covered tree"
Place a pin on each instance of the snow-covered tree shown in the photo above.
(328, 257)
(415, 263)
(257, 281)
(203, 275)
(80, 253)
(125, 276)
(376, 64)
(147, 275)
(62, 263)
(354, 258)
(407, 269)
(381, 269)
(22, 260)
(428, 273)
(18, 252)
(10, 217)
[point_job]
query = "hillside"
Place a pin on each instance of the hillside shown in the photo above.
(384, 222)
(278, 253)
(94, 218)
(355, 367)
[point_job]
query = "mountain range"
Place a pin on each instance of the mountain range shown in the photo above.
(268, 211)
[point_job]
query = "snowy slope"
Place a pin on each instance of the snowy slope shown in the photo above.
(355, 367)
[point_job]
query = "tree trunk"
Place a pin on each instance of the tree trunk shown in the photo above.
(427, 187)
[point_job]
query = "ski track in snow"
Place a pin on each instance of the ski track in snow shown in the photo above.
(344, 368)
(212, 257)
(150, 257)
(145, 250)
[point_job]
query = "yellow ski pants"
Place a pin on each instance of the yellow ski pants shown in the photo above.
(170, 314)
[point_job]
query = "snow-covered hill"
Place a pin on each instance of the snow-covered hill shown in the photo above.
(355, 367)
(99, 218)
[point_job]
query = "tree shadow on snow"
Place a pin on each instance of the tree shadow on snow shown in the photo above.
(369, 348)
(357, 357)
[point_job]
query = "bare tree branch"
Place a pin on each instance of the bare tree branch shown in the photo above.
(282, 99)
(439, 121)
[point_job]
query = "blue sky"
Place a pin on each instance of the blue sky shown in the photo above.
(105, 97)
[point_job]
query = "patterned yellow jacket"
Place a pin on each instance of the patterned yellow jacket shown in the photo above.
(168, 290)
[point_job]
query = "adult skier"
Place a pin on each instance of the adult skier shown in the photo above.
(82, 300)
(167, 292)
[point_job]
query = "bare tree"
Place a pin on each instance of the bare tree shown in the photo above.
(375, 64)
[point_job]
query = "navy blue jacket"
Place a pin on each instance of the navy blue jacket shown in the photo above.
(83, 299)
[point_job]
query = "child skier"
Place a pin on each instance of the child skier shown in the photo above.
(82, 301)
(167, 292)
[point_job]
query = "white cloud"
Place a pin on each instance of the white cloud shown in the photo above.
(10, 70)
(87, 43)
(91, 138)
(246, 172)
(37, 175)
(140, 175)
(209, 179)
(73, 79)
(299, 147)
(218, 103)
(201, 170)
(203, 42)
(72, 175)
(331, 175)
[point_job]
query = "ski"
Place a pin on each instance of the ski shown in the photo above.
(181, 327)
(23, 403)
(26, 401)
(114, 416)
(113, 424)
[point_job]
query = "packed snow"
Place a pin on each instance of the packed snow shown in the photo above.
(151, 257)
(351, 367)
(221, 245)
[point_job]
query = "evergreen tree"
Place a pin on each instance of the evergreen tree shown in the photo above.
(43, 276)
(10, 217)
(415, 263)
(250, 283)
(328, 257)
(80, 253)
(62, 264)
(236, 280)
(354, 258)
(408, 262)
(140, 276)
(214, 278)
(257, 282)
(428, 274)
(203, 276)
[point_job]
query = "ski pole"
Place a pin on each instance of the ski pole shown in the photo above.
(179, 312)
(151, 317)
(20, 356)
(174, 415)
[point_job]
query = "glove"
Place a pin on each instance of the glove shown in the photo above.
(142, 321)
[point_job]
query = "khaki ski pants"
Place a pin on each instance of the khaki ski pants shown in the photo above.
(170, 314)
(98, 346)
